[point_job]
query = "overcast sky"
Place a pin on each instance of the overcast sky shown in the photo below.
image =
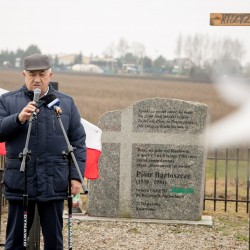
(63, 26)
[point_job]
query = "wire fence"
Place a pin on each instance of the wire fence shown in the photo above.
(227, 178)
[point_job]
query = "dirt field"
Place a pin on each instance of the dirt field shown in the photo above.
(95, 95)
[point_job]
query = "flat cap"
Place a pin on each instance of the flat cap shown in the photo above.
(36, 62)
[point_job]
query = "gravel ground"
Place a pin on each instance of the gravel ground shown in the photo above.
(229, 231)
(224, 234)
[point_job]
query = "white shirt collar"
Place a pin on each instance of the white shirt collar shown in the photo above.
(45, 93)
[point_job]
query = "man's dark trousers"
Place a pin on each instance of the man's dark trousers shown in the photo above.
(50, 213)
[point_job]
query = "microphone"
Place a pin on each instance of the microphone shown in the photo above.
(53, 103)
(37, 93)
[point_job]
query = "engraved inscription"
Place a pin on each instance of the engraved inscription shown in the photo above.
(164, 157)
(174, 119)
(162, 172)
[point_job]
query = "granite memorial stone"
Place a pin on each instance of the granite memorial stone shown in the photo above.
(152, 164)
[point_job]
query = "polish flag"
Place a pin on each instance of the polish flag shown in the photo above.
(93, 144)
(94, 148)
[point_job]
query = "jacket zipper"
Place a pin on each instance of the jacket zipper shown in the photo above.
(53, 121)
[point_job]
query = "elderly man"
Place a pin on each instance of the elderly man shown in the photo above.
(47, 171)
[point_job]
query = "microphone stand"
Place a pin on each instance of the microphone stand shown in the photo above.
(69, 154)
(25, 157)
(70, 221)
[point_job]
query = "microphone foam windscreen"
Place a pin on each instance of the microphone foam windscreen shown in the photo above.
(51, 100)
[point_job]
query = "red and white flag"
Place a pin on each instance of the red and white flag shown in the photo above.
(93, 144)
(94, 148)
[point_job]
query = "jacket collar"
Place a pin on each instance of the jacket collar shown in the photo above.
(30, 93)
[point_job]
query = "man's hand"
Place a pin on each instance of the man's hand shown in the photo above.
(27, 112)
(75, 187)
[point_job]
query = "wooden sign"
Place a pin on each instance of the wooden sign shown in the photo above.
(230, 19)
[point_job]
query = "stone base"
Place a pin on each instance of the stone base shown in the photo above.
(205, 220)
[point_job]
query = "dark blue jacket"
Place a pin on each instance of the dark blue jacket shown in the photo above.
(47, 171)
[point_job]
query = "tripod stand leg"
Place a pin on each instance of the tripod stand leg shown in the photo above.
(70, 223)
(25, 220)
(1, 199)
